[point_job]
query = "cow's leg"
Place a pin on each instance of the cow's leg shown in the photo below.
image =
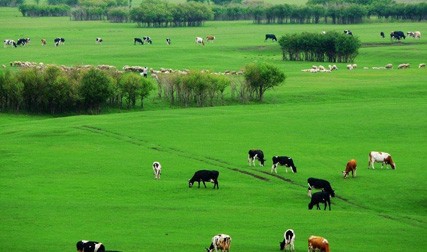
(309, 191)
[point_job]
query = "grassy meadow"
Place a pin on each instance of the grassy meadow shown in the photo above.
(64, 179)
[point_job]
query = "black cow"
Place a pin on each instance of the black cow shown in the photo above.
(204, 176)
(320, 197)
(284, 161)
(90, 246)
(168, 41)
(256, 154)
(398, 35)
(319, 184)
(147, 39)
(138, 40)
(23, 41)
(348, 32)
(59, 41)
(382, 34)
(270, 36)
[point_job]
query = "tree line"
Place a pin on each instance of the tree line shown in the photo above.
(75, 90)
(330, 47)
(194, 13)
(55, 90)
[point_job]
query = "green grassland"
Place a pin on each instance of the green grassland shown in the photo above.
(89, 177)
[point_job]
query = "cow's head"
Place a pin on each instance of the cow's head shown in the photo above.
(190, 184)
(294, 169)
(262, 160)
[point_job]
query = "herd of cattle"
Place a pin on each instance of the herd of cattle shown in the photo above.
(396, 35)
(223, 241)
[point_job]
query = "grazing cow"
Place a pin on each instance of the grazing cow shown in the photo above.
(221, 241)
(350, 167)
(157, 170)
(382, 34)
(9, 42)
(380, 157)
(204, 176)
(210, 38)
(58, 41)
(256, 154)
(319, 184)
(147, 39)
(168, 41)
(318, 243)
(288, 240)
(320, 197)
(348, 32)
(270, 36)
(138, 40)
(43, 42)
(422, 65)
(283, 161)
(90, 246)
(415, 34)
(199, 40)
(98, 40)
(23, 41)
(398, 35)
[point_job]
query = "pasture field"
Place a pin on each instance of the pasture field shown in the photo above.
(89, 177)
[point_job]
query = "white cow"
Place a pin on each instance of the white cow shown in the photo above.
(221, 241)
(380, 157)
(157, 169)
(288, 241)
(199, 40)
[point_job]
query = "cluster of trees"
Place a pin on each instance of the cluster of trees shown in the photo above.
(160, 13)
(56, 91)
(163, 14)
(206, 89)
(331, 47)
(11, 3)
(31, 10)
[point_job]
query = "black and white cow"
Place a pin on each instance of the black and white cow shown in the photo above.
(256, 154)
(288, 240)
(204, 176)
(348, 32)
(319, 184)
(157, 169)
(270, 36)
(23, 41)
(168, 41)
(9, 42)
(398, 35)
(147, 39)
(138, 40)
(58, 41)
(90, 246)
(320, 197)
(98, 40)
(283, 161)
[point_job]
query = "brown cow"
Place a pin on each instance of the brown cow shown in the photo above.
(318, 242)
(210, 38)
(350, 167)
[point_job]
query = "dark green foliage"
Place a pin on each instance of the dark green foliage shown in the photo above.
(331, 47)
(118, 14)
(96, 87)
(32, 10)
(132, 86)
(11, 3)
(261, 77)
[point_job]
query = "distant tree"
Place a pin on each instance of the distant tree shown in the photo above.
(261, 77)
